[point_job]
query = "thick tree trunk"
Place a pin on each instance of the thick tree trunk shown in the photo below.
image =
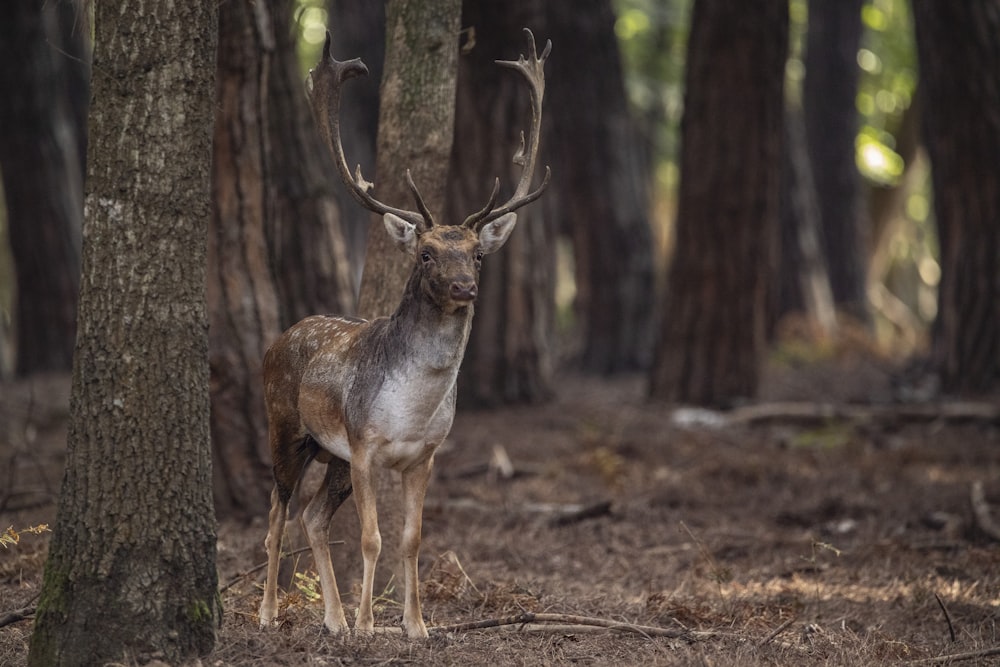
(44, 83)
(713, 331)
(601, 187)
(962, 133)
(509, 357)
(241, 296)
(829, 92)
(131, 570)
(309, 254)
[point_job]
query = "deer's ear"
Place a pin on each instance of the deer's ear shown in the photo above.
(402, 233)
(495, 234)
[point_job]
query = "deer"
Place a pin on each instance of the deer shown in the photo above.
(358, 395)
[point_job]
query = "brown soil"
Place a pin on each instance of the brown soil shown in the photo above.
(785, 541)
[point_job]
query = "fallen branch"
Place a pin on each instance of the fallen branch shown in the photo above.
(811, 412)
(568, 623)
(957, 657)
(12, 617)
(981, 512)
(777, 631)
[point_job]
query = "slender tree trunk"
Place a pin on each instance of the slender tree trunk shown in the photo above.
(309, 254)
(241, 295)
(509, 357)
(829, 92)
(44, 96)
(131, 569)
(601, 187)
(962, 133)
(714, 320)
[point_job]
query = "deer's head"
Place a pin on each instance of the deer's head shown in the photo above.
(447, 257)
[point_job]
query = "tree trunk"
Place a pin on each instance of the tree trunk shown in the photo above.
(803, 280)
(509, 357)
(414, 132)
(416, 118)
(602, 188)
(828, 96)
(44, 84)
(309, 254)
(713, 331)
(134, 541)
(959, 61)
(358, 30)
(241, 295)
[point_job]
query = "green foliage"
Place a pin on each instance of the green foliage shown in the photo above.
(888, 81)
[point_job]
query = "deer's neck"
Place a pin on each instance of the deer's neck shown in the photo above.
(431, 337)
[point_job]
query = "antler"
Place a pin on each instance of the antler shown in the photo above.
(532, 70)
(323, 88)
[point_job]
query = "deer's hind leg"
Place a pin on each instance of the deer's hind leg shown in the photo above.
(316, 518)
(290, 462)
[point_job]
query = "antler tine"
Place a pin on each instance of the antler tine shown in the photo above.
(532, 68)
(421, 206)
(323, 87)
(479, 215)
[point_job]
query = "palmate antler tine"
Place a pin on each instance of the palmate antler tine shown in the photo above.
(323, 87)
(532, 68)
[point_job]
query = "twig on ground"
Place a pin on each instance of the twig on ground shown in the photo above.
(591, 511)
(957, 657)
(260, 566)
(777, 631)
(981, 512)
(568, 623)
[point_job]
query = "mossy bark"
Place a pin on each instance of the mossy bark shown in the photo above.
(131, 569)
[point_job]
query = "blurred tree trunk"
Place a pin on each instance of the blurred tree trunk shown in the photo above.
(713, 331)
(602, 193)
(134, 542)
(242, 302)
(510, 356)
(358, 29)
(803, 280)
(44, 95)
(828, 97)
(959, 61)
(305, 239)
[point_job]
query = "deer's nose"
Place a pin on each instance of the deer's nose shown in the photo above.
(464, 290)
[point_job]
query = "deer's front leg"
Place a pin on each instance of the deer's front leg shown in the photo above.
(371, 539)
(415, 481)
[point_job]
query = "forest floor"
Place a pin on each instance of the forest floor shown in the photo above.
(764, 536)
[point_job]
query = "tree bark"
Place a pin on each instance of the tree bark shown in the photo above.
(308, 249)
(358, 30)
(828, 96)
(44, 83)
(134, 540)
(601, 188)
(509, 358)
(415, 131)
(242, 301)
(962, 133)
(714, 318)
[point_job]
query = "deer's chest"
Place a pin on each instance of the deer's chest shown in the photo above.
(411, 415)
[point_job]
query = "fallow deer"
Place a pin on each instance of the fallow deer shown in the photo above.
(357, 394)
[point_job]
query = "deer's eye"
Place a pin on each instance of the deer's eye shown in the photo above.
(425, 257)
(479, 255)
